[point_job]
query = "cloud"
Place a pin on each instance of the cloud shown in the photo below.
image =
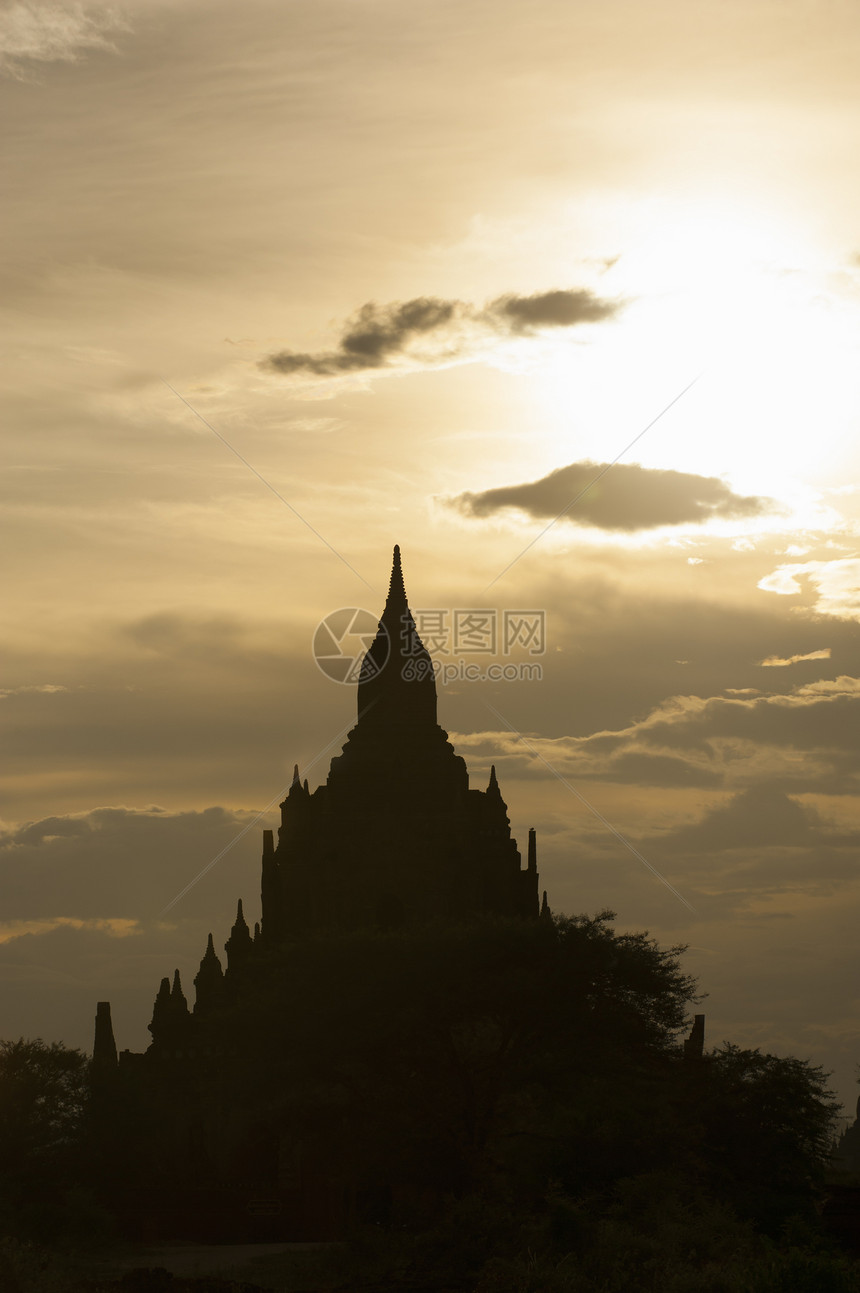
(116, 928)
(807, 740)
(379, 334)
(643, 768)
(561, 308)
(780, 662)
(37, 33)
(819, 716)
(837, 584)
(135, 722)
(627, 498)
(45, 688)
(111, 868)
(758, 817)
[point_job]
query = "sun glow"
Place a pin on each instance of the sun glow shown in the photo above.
(753, 306)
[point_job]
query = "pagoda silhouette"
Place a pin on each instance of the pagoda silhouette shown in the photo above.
(395, 836)
(394, 841)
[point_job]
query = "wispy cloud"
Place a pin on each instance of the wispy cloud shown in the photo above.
(781, 662)
(630, 498)
(117, 927)
(47, 688)
(837, 584)
(432, 329)
(805, 739)
(33, 33)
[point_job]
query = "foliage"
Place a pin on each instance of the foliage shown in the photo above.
(491, 1059)
(421, 1058)
(764, 1126)
(43, 1093)
(656, 1234)
(515, 1095)
(27, 1269)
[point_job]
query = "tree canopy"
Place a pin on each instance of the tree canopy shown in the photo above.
(43, 1091)
(445, 1058)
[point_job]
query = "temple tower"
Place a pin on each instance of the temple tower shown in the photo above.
(395, 836)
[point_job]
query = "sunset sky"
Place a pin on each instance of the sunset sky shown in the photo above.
(288, 282)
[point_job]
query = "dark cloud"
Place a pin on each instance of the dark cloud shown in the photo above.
(818, 717)
(556, 309)
(758, 817)
(638, 767)
(127, 864)
(802, 741)
(377, 334)
(614, 656)
(627, 497)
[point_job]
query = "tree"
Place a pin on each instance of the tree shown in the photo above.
(43, 1092)
(762, 1127)
(434, 1058)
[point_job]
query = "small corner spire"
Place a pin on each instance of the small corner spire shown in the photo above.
(177, 1004)
(694, 1045)
(104, 1046)
(240, 942)
(208, 980)
(161, 1011)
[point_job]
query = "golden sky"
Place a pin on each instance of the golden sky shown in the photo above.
(290, 281)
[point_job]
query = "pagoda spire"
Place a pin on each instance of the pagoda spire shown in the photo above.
(104, 1046)
(397, 685)
(176, 994)
(396, 602)
(178, 1005)
(161, 1010)
(170, 1016)
(240, 943)
(296, 783)
(208, 980)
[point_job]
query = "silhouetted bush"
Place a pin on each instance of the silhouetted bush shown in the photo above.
(43, 1096)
